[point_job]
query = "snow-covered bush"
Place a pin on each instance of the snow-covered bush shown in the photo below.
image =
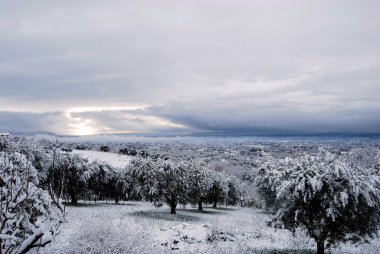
(332, 199)
(29, 219)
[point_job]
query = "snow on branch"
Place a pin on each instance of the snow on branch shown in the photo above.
(28, 217)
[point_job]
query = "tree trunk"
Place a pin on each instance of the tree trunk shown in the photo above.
(73, 198)
(116, 200)
(215, 203)
(200, 205)
(321, 247)
(173, 206)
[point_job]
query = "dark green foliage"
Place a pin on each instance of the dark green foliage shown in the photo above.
(104, 148)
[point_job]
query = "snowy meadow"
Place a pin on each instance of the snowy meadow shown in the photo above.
(195, 126)
(137, 227)
(225, 196)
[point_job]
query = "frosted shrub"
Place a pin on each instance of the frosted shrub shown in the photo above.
(28, 218)
(329, 197)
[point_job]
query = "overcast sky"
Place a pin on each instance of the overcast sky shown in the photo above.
(87, 67)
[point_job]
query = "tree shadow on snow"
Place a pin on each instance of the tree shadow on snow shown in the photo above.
(69, 204)
(204, 211)
(281, 251)
(222, 208)
(92, 204)
(164, 215)
(124, 204)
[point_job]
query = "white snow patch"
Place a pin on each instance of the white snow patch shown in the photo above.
(113, 159)
(182, 236)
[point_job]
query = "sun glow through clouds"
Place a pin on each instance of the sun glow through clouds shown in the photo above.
(79, 126)
(85, 127)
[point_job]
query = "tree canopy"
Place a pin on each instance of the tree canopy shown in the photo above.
(332, 199)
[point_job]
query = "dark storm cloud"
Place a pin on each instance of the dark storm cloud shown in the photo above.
(232, 66)
(257, 120)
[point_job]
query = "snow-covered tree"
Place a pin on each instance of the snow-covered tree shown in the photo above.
(265, 190)
(36, 153)
(29, 218)
(98, 180)
(199, 182)
(333, 200)
(218, 191)
(68, 174)
(116, 184)
(4, 143)
(233, 193)
(368, 157)
(161, 179)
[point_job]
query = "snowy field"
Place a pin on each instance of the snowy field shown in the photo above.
(113, 159)
(138, 227)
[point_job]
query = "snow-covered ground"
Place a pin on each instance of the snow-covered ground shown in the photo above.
(113, 159)
(138, 227)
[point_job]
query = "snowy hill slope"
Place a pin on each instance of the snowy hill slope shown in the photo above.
(113, 159)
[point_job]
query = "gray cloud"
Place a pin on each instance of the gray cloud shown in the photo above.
(233, 66)
(258, 120)
(33, 122)
(124, 121)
